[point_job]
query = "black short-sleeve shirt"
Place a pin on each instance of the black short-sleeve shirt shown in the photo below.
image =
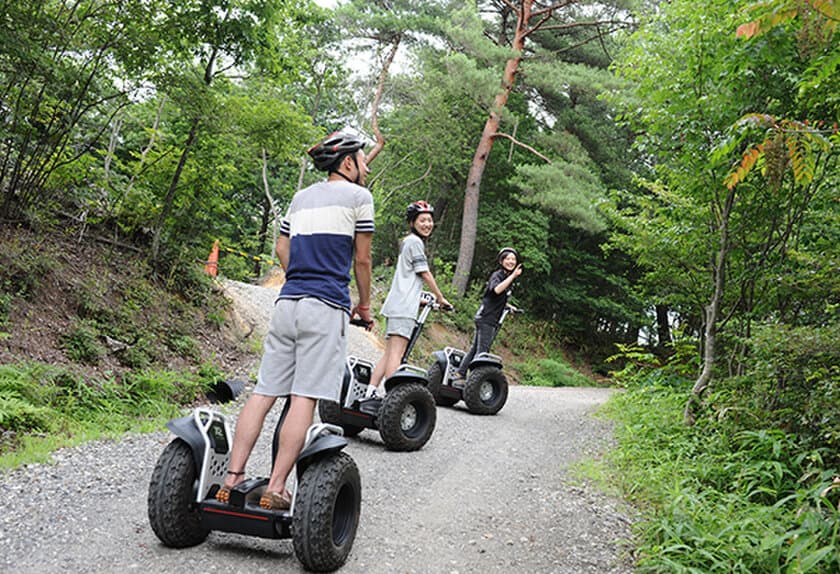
(493, 304)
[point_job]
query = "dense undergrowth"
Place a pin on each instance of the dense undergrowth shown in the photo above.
(43, 407)
(93, 344)
(739, 491)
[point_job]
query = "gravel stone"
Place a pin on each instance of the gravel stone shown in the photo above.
(485, 495)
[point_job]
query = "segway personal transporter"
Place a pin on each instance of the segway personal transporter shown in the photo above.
(485, 389)
(326, 497)
(405, 416)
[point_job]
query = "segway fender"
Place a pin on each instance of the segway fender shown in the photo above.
(324, 444)
(440, 359)
(406, 374)
(486, 360)
(185, 429)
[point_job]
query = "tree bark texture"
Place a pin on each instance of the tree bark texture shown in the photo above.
(469, 221)
(173, 186)
(380, 88)
(712, 314)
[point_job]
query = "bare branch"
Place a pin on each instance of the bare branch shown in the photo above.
(380, 88)
(410, 183)
(510, 5)
(588, 24)
(522, 145)
(538, 25)
(552, 8)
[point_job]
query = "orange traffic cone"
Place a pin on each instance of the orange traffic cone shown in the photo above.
(212, 265)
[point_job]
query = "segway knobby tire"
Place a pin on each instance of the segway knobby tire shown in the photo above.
(407, 417)
(330, 412)
(172, 510)
(486, 391)
(326, 513)
(435, 376)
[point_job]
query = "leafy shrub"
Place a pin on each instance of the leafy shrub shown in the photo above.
(24, 267)
(90, 300)
(5, 308)
(139, 355)
(81, 343)
(158, 392)
(551, 373)
(187, 279)
(18, 415)
(183, 345)
(793, 382)
(719, 498)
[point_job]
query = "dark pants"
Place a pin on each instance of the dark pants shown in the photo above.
(484, 334)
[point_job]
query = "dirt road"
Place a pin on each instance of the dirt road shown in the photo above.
(486, 494)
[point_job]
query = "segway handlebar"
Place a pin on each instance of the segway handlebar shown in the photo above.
(361, 323)
(427, 299)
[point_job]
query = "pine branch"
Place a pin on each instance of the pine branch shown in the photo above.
(522, 145)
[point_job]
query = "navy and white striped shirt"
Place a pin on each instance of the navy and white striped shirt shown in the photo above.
(322, 222)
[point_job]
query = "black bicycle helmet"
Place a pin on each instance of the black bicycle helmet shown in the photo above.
(416, 208)
(327, 154)
(504, 251)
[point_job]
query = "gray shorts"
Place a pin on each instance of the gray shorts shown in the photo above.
(401, 326)
(304, 351)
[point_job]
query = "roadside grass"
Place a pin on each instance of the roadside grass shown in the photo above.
(43, 407)
(718, 496)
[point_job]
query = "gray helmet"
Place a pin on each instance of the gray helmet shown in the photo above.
(327, 154)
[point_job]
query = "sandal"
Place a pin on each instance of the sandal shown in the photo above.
(276, 500)
(223, 494)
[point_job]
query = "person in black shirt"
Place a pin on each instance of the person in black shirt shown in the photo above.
(493, 301)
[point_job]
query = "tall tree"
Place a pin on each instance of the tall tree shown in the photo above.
(723, 233)
(515, 22)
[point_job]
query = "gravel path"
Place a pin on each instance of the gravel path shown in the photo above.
(486, 494)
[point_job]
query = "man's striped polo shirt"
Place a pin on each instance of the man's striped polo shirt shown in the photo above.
(321, 223)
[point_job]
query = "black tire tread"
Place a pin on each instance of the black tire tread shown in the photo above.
(312, 524)
(392, 407)
(472, 397)
(173, 517)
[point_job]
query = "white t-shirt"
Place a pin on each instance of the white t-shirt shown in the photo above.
(404, 296)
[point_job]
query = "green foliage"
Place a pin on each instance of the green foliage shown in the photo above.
(793, 381)
(183, 345)
(43, 406)
(25, 265)
(81, 343)
(551, 373)
(718, 498)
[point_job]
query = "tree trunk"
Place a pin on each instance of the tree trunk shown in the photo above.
(469, 221)
(663, 328)
(267, 212)
(380, 88)
(173, 186)
(712, 313)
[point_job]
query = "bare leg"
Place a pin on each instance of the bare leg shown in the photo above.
(248, 428)
(395, 346)
(292, 436)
